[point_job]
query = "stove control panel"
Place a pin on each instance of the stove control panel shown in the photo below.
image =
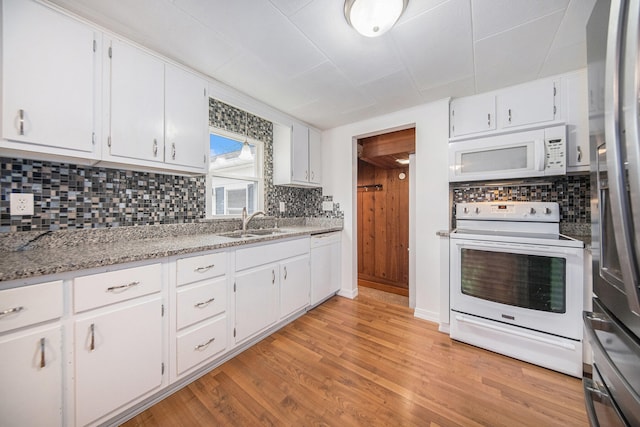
(509, 211)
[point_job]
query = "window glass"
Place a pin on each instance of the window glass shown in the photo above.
(235, 174)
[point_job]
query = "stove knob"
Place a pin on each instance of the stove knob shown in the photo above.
(547, 211)
(532, 211)
(477, 210)
(466, 210)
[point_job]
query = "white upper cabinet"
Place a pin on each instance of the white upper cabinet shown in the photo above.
(50, 71)
(158, 112)
(137, 104)
(578, 107)
(315, 157)
(472, 114)
(186, 118)
(296, 156)
(528, 104)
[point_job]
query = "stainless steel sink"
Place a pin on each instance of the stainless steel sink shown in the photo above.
(238, 234)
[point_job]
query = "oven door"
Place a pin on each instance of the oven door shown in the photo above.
(538, 287)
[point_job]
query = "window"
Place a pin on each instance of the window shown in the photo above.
(235, 174)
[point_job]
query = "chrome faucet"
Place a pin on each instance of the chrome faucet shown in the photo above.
(245, 219)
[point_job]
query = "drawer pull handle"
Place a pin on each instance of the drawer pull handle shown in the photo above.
(92, 342)
(285, 272)
(155, 147)
(273, 277)
(43, 363)
(11, 310)
(205, 268)
(122, 287)
(202, 346)
(205, 303)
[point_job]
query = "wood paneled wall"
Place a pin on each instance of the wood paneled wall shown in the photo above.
(383, 225)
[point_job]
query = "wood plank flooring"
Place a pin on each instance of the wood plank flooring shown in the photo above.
(363, 362)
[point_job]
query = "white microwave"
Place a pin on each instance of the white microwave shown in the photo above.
(534, 153)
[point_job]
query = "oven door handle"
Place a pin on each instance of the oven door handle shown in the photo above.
(522, 247)
(464, 319)
(593, 393)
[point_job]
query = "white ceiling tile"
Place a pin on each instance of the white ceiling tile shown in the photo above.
(464, 87)
(396, 91)
(514, 56)
(261, 29)
(574, 23)
(415, 8)
(564, 59)
(494, 16)
(290, 7)
(434, 51)
(361, 59)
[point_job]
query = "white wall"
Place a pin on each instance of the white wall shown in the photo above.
(339, 176)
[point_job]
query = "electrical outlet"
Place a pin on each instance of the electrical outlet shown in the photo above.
(327, 206)
(21, 204)
(282, 209)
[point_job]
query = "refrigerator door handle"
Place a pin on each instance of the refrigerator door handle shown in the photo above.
(630, 94)
(616, 174)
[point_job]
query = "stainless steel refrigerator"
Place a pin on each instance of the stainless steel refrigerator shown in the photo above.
(612, 396)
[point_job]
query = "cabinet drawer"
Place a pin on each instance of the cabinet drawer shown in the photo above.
(199, 344)
(201, 301)
(201, 267)
(102, 289)
(30, 304)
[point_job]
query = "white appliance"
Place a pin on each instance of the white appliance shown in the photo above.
(516, 283)
(325, 266)
(534, 153)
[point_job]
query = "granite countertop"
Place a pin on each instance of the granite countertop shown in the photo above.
(38, 254)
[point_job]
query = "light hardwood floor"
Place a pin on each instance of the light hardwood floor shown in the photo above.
(364, 362)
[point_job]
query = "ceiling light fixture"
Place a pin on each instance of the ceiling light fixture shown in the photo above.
(372, 18)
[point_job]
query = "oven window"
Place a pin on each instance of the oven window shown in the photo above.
(529, 281)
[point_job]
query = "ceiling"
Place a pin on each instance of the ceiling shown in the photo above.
(301, 56)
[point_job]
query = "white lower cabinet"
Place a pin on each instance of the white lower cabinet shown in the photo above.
(325, 266)
(31, 377)
(118, 357)
(256, 300)
(295, 285)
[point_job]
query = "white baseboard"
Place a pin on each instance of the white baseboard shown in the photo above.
(431, 316)
(444, 328)
(348, 293)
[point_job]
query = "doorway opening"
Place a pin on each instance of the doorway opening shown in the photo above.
(383, 210)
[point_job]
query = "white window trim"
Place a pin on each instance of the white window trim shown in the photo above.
(260, 172)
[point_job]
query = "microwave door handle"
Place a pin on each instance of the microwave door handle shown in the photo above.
(539, 154)
(615, 172)
(631, 136)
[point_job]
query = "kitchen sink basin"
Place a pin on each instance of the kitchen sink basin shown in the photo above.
(238, 234)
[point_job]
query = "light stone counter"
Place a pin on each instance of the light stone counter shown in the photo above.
(26, 255)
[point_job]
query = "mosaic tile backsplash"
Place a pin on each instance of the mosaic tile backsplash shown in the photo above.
(571, 192)
(68, 196)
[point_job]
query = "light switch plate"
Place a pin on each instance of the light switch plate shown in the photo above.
(21, 204)
(327, 206)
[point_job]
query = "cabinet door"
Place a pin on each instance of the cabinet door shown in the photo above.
(256, 300)
(49, 72)
(137, 104)
(31, 378)
(186, 118)
(294, 285)
(528, 104)
(320, 273)
(315, 157)
(472, 114)
(577, 104)
(118, 357)
(300, 153)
